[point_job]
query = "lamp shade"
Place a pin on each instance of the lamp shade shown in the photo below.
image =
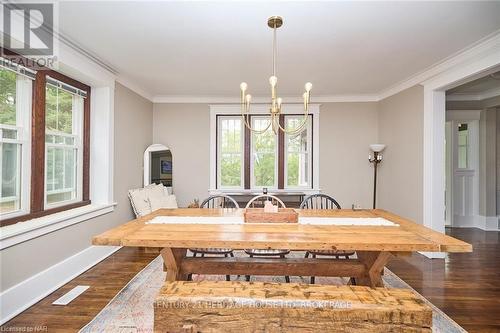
(377, 147)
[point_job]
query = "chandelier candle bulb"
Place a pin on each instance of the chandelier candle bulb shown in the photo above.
(273, 80)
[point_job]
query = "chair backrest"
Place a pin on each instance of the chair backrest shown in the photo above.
(264, 197)
(219, 201)
(319, 201)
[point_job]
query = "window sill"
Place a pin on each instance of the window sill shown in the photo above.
(290, 191)
(22, 231)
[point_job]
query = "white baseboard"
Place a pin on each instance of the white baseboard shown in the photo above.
(23, 295)
(491, 223)
(487, 223)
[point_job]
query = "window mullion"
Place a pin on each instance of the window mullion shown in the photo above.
(38, 144)
(281, 154)
(247, 154)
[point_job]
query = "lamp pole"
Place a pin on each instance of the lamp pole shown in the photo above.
(376, 159)
(375, 162)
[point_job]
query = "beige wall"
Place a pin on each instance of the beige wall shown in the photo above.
(401, 127)
(487, 162)
(498, 162)
(133, 133)
(346, 130)
(185, 129)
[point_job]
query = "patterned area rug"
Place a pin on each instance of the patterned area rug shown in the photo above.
(131, 310)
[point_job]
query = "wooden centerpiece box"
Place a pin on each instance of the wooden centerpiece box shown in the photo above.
(258, 215)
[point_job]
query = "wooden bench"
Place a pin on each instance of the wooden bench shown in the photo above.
(235, 306)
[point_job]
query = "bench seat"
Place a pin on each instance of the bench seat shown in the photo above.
(237, 306)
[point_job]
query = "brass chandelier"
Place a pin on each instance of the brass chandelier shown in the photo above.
(274, 22)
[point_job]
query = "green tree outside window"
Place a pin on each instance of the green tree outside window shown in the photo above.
(7, 97)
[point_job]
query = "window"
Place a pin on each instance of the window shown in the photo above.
(244, 159)
(45, 150)
(463, 145)
(63, 145)
(264, 154)
(230, 152)
(15, 111)
(298, 154)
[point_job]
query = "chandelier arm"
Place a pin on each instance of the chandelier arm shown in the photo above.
(254, 130)
(299, 128)
(244, 116)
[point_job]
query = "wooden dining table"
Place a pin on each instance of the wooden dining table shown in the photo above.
(374, 245)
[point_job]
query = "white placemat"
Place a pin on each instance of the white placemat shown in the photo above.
(363, 221)
(196, 220)
(358, 221)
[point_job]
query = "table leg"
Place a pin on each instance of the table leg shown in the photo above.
(172, 258)
(375, 262)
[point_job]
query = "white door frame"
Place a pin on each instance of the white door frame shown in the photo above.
(474, 63)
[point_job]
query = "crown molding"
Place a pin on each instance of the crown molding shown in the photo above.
(474, 51)
(135, 88)
(490, 93)
(180, 99)
(474, 97)
(64, 39)
(488, 45)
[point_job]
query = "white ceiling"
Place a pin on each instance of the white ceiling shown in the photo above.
(208, 48)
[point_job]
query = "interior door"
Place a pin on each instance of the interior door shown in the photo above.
(465, 183)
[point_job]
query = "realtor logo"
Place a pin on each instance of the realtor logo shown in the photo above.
(28, 30)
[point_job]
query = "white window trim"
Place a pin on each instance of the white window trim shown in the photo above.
(309, 157)
(77, 123)
(242, 145)
(101, 187)
(102, 83)
(20, 232)
(23, 121)
(234, 109)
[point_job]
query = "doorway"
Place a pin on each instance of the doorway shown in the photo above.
(462, 168)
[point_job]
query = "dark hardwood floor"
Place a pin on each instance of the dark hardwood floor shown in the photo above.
(465, 286)
(105, 279)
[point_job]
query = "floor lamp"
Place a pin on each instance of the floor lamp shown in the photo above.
(376, 159)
